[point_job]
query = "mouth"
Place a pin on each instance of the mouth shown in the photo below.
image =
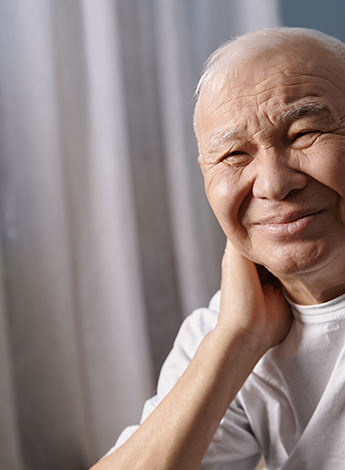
(289, 224)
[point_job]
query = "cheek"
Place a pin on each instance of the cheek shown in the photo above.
(325, 162)
(226, 193)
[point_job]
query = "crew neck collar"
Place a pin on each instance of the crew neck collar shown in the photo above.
(319, 313)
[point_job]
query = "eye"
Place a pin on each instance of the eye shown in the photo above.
(237, 158)
(302, 134)
(305, 139)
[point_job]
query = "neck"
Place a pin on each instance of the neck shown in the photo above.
(306, 295)
(314, 288)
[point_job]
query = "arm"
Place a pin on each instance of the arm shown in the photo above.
(252, 319)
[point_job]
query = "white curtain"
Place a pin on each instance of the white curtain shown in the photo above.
(107, 241)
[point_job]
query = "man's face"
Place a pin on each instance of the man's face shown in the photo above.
(272, 148)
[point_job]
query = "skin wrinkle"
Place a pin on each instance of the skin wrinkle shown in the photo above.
(228, 101)
(220, 77)
(312, 108)
(292, 74)
(267, 114)
(223, 64)
(313, 104)
(307, 109)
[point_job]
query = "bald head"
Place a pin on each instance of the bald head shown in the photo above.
(225, 60)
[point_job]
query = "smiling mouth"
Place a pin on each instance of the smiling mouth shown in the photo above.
(289, 225)
(287, 219)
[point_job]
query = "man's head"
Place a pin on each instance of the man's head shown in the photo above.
(270, 123)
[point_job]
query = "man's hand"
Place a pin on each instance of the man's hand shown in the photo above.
(252, 300)
(253, 317)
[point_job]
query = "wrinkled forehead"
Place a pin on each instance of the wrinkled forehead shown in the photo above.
(295, 49)
(281, 76)
(248, 67)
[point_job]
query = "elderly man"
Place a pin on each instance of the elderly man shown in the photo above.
(267, 374)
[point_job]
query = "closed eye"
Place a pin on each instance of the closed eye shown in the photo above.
(237, 158)
(237, 152)
(302, 134)
(305, 139)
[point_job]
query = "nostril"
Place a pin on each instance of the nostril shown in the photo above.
(277, 179)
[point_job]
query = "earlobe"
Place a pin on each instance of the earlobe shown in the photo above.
(201, 163)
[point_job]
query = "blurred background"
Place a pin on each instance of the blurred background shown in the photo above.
(107, 241)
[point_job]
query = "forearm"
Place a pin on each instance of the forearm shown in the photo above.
(177, 434)
(252, 319)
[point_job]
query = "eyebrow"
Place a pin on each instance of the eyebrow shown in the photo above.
(307, 109)
(219, 138)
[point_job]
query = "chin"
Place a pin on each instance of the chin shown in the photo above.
(289, 261)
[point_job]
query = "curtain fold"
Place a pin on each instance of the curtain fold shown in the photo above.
(10, 454)
(107, 240)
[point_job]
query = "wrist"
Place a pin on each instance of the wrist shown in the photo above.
(242, 339)
(232, 354)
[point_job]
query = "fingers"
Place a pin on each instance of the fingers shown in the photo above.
(233, 259)
(252, 300)
(236, 269)
(240, 287)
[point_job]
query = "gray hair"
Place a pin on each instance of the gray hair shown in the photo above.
(228, 57)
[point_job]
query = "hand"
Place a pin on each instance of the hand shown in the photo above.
(252, 300)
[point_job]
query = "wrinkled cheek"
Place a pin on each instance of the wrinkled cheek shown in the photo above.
(226, 192)
(220, 198)
(245, 210)
(224, 206)
(326, 164)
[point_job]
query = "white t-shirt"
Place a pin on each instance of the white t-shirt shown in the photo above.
(292, 406)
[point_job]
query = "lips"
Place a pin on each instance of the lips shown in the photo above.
(293, 223)
(278, 219)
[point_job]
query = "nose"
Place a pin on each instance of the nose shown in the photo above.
(276, 176)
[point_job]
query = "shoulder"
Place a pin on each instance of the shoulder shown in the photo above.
(192, 331)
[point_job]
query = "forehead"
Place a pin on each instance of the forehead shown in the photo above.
(269, 85)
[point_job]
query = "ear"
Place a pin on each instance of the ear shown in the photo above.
(202, 164)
